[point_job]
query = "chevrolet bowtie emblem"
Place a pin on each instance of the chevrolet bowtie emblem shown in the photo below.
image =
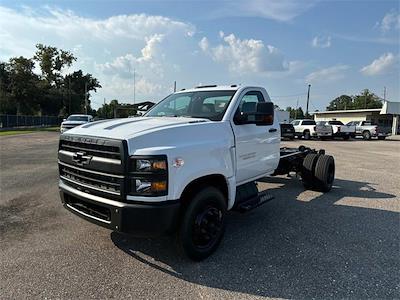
(80, 158)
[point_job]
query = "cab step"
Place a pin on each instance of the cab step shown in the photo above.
(254, 202)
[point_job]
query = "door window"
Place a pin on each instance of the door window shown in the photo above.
(249, 101)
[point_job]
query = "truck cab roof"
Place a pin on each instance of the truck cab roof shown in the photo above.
(233, 87)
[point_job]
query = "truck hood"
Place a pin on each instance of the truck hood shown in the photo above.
(130, 127)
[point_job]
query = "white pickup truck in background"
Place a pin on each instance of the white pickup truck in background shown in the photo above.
(178, 169)
(367, 130)
(73, 121)
(340, 130)
(308, 128)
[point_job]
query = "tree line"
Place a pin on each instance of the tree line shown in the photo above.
(365, 100)
(24, 92)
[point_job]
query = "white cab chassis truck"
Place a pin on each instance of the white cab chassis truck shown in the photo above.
(178, 169)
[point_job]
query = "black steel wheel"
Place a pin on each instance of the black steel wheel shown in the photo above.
(324, 173)
(307, 171)
(203, 224)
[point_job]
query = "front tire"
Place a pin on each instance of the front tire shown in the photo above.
(307, 135)
(366, 135)
(203, 224)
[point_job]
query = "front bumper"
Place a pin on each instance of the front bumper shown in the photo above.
(139, 219)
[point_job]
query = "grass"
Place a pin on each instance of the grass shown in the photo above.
(27, 130)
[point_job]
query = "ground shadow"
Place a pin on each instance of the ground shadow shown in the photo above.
(294, 249)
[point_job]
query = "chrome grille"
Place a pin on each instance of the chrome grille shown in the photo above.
(93, 165)
(91, 149)
(93, 180)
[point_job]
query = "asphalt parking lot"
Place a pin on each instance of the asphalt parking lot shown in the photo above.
(302, 244)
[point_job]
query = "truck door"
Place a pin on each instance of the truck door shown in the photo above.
(257, 147)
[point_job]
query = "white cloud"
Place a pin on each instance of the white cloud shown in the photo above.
(380, 65)
(283, 10)
(389, 22)
(248, 55)
(203, 44)
(124, 65)
(321, 42)
(109, 48)
(330, 74)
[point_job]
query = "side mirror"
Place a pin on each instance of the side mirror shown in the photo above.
(262, 116)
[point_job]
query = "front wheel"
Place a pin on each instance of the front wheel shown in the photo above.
(366, 135)
(307, 135)
(203, 224)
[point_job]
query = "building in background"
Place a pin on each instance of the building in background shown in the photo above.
(387, 116)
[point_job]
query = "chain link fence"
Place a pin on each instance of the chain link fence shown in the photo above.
(13, 121)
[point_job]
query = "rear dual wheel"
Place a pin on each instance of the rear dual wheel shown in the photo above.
(318, 172)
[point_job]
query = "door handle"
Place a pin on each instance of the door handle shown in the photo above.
(272, 130)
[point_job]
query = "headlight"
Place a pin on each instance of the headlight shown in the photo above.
(150, 186)
(150, 165)
(148, 175)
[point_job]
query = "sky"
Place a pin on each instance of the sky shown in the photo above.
(339, 47)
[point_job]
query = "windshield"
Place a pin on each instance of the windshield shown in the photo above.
(202, 104)
(77, 118)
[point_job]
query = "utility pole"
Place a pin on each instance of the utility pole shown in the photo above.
(86, 98)
(308, 99)
(384, 93)
(134, 86)
(174, 86)
(297, 107)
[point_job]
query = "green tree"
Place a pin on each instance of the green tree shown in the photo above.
(6, 103)
(23, 85)
(107, 110)
(51, 61)
(367, 100)
(22, 91)
(342, 102)
(74, 87)
(364, 100)
(295, 113)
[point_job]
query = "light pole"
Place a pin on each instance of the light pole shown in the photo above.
(308, 99)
